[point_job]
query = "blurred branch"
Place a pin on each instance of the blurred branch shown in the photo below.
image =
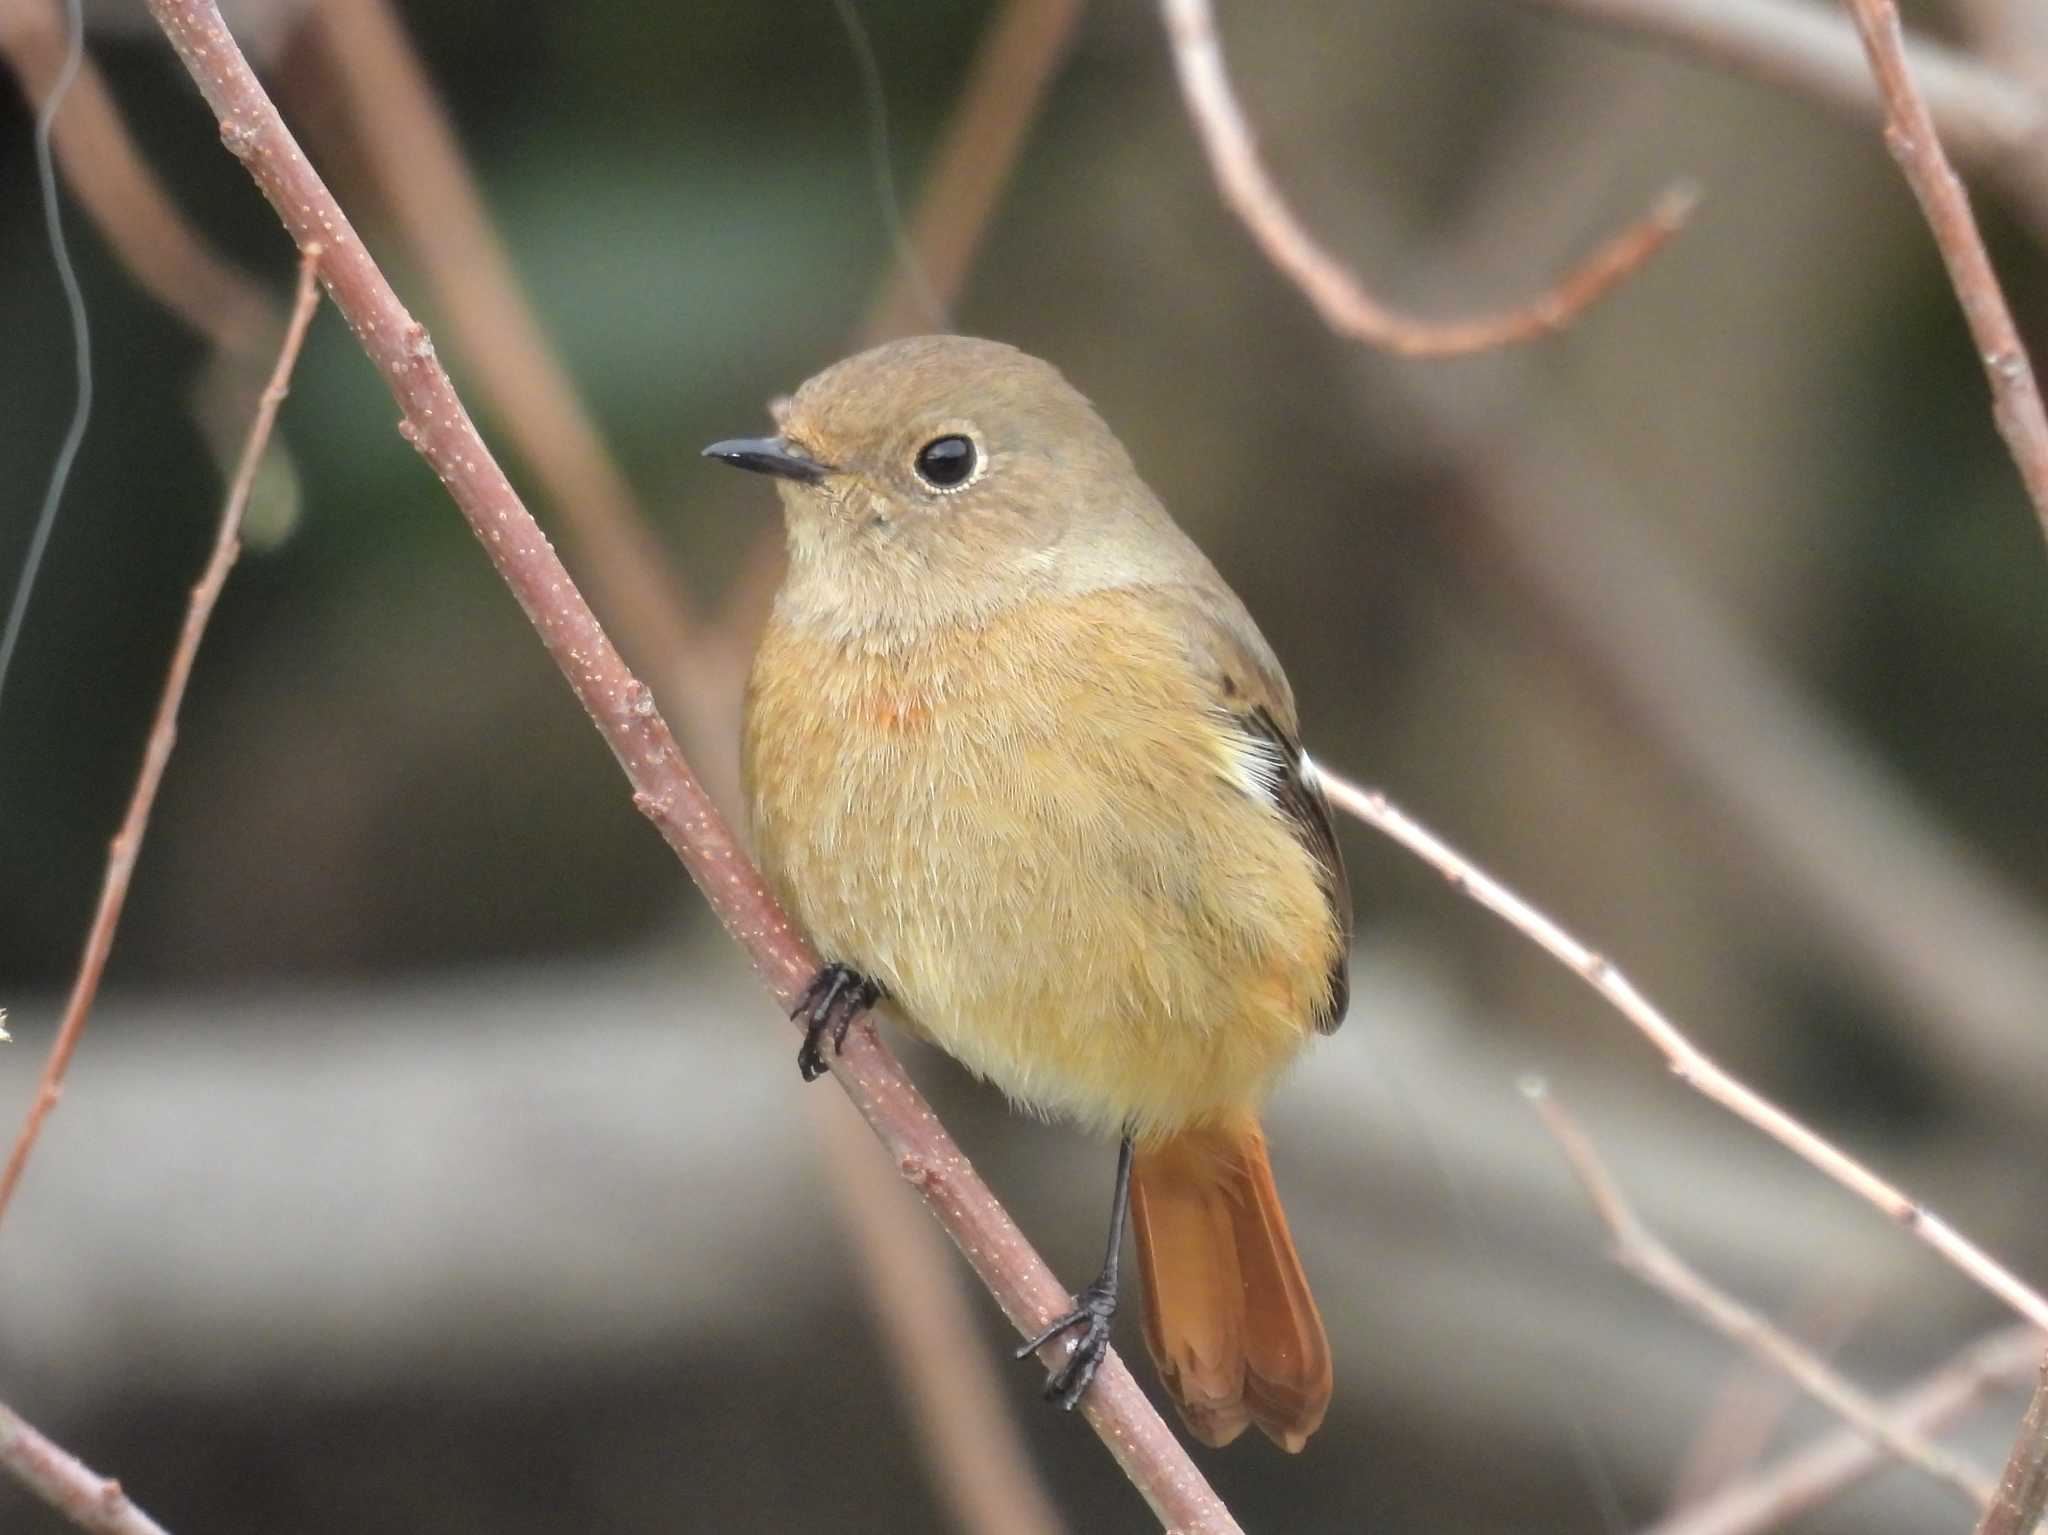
(2023, 1488)
(160, 249)
(1324, 280)
(1909, 133)
(1811, 1476)
(1005, 87)
(983, 1476)
(89, 1500)
(1637, 1250)
(1687, 1062)
(1810, 50)
(435, 421)
(1995, 118)
(1752, 1403)
(163, 735)
(418, 168)
(1922, 921)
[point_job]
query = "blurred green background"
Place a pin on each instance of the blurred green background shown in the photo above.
(1718, 625)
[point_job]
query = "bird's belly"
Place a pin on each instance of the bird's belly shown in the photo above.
(1066, 918)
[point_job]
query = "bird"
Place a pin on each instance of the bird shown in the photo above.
(1020, 762)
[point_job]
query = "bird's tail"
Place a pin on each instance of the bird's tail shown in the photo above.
(1228, 1317)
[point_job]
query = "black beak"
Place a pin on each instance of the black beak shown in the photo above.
(768, 455)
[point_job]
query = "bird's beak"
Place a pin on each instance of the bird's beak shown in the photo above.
(768, 455)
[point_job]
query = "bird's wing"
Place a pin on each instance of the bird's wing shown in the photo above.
(1233, 660)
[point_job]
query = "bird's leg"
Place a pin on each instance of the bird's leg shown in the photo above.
(836, 996)
(1094, 1307)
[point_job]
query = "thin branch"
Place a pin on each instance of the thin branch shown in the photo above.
(1636, 1249)
(163, 735)
(1327, 283)
(2023, 1488)
(437, 424)
(1687, 1061)
(1809, 1477)
(89, 1500)
(1810, 50)
(1910, 135)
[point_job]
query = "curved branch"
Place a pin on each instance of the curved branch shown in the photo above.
(664, 789)
(1327, 283)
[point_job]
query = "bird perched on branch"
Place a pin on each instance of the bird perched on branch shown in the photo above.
(1020, 762)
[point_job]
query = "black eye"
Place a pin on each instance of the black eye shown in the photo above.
(945, 462)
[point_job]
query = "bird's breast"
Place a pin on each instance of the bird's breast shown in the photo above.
(1034, 835)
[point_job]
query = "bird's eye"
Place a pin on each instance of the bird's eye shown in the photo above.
(945, 463)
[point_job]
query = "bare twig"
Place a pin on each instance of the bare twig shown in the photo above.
(1809, 50)
(1811, 1476)
(1910, 135)
(2023, 1488)
(89, 1500)
(1327, 283)
(1687, 1061)
(1637, 1250)
(437, 424)
(163, 735)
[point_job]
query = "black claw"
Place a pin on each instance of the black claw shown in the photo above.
(836, 996)
(1067, 1384)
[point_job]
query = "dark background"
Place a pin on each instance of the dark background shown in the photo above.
(393, 873)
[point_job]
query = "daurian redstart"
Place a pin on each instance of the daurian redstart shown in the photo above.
(1020, 762)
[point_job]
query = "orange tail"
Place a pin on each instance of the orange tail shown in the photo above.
(1228, 1316)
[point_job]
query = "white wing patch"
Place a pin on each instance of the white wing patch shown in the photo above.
(1259, 766)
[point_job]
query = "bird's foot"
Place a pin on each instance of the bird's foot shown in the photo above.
(836, 996)
(1094, 1309)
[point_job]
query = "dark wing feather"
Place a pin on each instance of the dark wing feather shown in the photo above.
(1300, 798)
(1247, 686)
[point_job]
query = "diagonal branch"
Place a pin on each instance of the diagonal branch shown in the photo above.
(89, 1500)
(1005, 87)
(163, 734)
(417, 166)
(1688, 1062)
(1809, 1477)
(1342, 301)
(1910, 135)
(1632, 1245)
(664, 789)
(2023, 1488)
